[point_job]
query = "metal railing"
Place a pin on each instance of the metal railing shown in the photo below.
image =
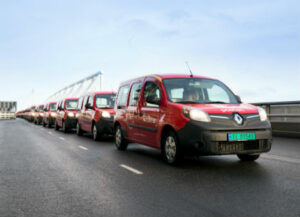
(284, 116)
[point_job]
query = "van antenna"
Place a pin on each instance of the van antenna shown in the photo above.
(191, 73)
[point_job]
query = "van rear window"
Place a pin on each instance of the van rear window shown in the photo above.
(122, 95)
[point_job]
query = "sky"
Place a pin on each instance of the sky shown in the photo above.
(252, 46)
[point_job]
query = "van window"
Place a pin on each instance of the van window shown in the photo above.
(216, 93)
(122, 96)
(91, 103)
(53, 106)
(135, 94)
(80, 103)
(71, 104)
(85, 101)
(105, 101)
(151, 89)
(198, 90)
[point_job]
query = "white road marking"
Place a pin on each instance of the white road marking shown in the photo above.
(131, 169)
(50, 133)
(61, 138)
(82, 147)
(281, 158)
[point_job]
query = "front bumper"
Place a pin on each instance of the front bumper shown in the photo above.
(51, 120)
(105, 125)
(208, 139)
(71, 123)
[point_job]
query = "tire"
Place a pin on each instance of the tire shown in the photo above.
(171, 150)
(96, 134)
(44, 125)
(64, 128)
(248, 157)
(120, 141)
(79, 132)
(56, 126)
(48, 124)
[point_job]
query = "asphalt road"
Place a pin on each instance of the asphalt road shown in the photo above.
(49, 173)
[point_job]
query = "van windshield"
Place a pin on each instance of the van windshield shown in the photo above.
(197, 91)
(52, 107)
(71, 104)
(105, 101)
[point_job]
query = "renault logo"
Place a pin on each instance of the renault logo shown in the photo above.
(238, 119)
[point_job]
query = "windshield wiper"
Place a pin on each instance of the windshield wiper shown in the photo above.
(188, 102)
(107, 107)
(215, 102)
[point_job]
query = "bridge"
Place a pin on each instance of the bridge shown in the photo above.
(50, 173)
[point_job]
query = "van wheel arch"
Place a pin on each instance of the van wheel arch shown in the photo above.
(116, 124)
(170, 147)
(166, 129)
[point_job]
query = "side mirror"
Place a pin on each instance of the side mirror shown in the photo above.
(238, 98)
(88, 106)
(153, 99)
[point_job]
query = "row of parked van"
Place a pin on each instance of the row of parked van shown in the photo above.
(178, 114)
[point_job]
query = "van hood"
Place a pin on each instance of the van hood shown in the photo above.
(111, 111)
(226, 108)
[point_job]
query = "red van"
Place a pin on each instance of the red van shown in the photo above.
(66, 114)
(49, 114)
(38, 118)
(31, 114)
(181, 114)
(96, 114)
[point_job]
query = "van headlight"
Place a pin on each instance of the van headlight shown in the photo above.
(53, 114)
(71, 115)
(196, 114)
(262, 114)
(105, 114)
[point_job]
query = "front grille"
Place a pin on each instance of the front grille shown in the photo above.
(251, 145)
(229, 147)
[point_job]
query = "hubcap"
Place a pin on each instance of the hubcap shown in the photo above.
(170, 148)
(118, 137)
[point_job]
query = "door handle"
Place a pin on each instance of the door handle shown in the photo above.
(135, 113)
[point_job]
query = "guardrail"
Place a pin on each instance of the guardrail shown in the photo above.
(7, 115)
(284, 117)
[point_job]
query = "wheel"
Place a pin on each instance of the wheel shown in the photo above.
(64, 128)
(248, 157)
(44, 124)
(171, 149)
(79, 132)
(48, 124)
(120, 141)
(56, 126)
(96, 134)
